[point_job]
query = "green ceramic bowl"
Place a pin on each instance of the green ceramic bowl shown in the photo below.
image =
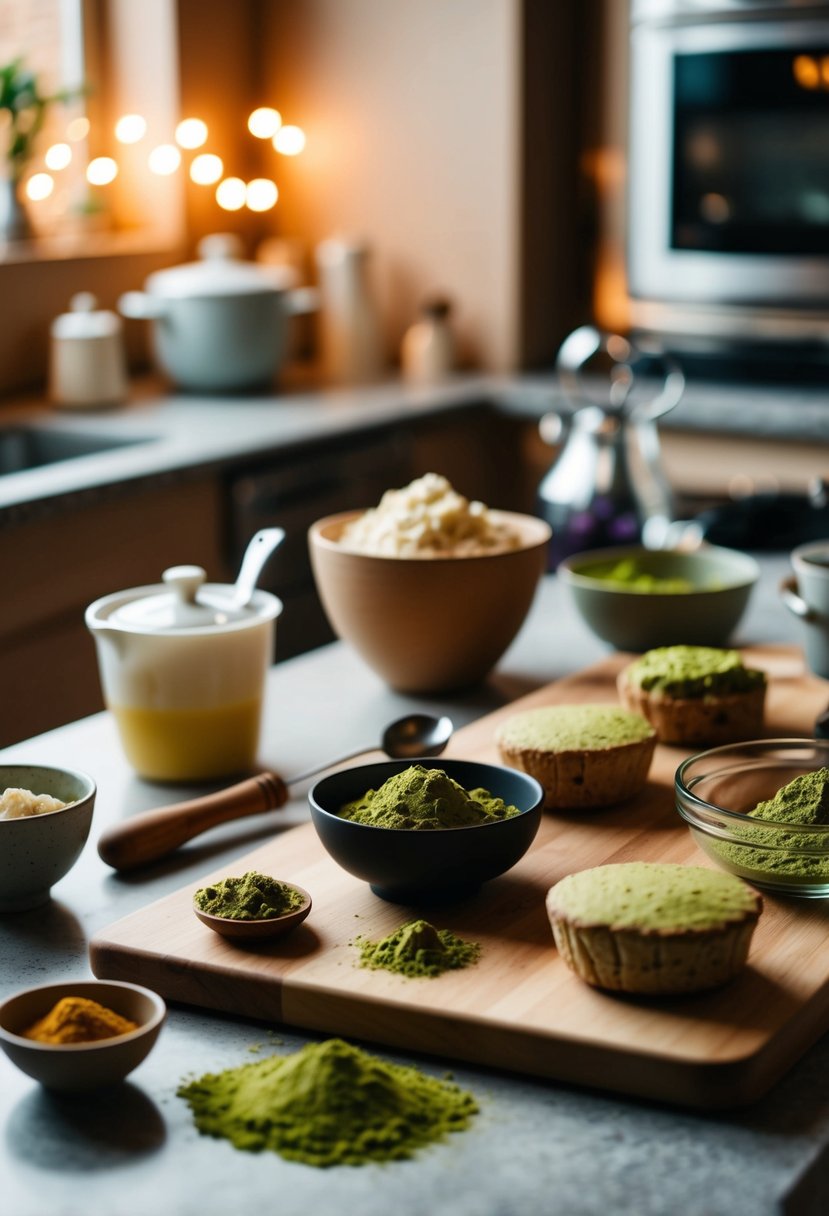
(702, 604)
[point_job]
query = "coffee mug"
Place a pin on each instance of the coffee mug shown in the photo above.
(807, 596)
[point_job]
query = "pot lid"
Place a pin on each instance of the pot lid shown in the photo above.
(221, 271)
(185, 605)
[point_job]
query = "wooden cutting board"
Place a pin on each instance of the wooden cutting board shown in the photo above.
(519, 1008)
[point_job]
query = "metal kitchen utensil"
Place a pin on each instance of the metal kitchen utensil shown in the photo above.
(153, 834)
(607, 486)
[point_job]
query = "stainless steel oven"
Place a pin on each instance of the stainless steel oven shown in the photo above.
(728, 203)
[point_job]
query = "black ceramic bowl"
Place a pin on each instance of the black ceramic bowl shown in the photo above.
(409, 866)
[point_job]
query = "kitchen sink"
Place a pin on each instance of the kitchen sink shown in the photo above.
(25, 447)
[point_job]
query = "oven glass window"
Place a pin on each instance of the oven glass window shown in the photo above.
(751, 152)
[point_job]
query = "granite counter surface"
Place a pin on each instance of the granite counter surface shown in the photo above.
(535, 1148)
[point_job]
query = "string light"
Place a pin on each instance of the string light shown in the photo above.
(264, 122)
(164, 159)
(261, 194)
(58, 156)
(206, 169)
(130, 128)
(289, 140)
(101, 171)
(77, 129)
(191, 133)
(231, 194)
(39, 186)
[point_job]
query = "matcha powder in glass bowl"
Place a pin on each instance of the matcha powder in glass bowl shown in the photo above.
(328, 1104)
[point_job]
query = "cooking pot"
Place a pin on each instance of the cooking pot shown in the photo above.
(219, 323)
(183, 669)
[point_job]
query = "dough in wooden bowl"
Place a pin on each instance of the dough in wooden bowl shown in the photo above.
(583, 755)
(695, 694)
(653, 928)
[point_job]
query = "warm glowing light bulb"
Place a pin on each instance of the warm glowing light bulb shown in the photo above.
(261, 194)
(231, 194)
(164, 159)
(58, 156)
(101, 171)
(806, 71)
(77, 129)
(289, 140)
(264, 122)
(39, 185)
(206, 169)
(130, 128)
(191, 133)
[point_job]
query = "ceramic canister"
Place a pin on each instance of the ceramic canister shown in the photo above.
(183, 672)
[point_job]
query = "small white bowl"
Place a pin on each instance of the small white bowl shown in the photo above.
(80, 1066)
(37, 850)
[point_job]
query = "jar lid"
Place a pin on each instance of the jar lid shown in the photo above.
(85, 319)
(221, 271)
(186, 605)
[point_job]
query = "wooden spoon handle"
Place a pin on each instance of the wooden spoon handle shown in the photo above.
(154, 834)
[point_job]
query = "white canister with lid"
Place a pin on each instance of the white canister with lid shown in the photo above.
(183, 673)
(87, 365)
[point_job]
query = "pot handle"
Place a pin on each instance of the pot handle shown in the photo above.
(794, 602)
(301, 300)
(140, 306)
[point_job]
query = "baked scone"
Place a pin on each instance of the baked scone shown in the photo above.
(653, 927)
(695, 694)
(583, 755)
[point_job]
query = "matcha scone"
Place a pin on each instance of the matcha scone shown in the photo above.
(583, 755)
(695, 694)
(653, 928)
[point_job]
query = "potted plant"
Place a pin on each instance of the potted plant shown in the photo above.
(23, 109)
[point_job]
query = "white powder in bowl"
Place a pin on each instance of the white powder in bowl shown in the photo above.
(17, 803)
(428, 518)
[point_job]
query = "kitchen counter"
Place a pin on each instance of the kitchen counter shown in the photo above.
(536, 1147)
(159, 435)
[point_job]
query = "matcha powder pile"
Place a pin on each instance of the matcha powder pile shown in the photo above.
(418, 949)
(328, 1104)
(804, 802)
(424, 799)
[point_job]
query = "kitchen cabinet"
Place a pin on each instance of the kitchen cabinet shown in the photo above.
(64, 553)
(61, 560)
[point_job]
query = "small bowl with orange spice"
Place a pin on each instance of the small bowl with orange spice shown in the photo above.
(80, 1035)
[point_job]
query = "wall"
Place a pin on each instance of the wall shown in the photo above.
(412, 116)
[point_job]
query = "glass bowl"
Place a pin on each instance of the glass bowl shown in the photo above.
(716, 789)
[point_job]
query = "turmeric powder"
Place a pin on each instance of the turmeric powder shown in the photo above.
(74, 1019)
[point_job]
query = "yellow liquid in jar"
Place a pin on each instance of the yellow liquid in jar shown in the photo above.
(190, 744)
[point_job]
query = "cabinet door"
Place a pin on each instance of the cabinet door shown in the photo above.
(59, 563)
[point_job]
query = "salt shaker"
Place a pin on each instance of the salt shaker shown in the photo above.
(427, 353)
(87, 366)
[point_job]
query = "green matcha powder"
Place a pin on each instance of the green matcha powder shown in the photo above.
(804, 802)
(328, 1104)
(418, 949)
(251, 897)
(422, 799)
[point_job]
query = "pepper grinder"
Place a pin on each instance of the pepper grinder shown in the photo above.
(608, 486)
(87, 365)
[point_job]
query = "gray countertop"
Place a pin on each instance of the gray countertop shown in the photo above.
(536, 1147)
(159, 433)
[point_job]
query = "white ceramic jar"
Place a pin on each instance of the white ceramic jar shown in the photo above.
(183, 672)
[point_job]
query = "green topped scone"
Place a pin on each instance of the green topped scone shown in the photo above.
(695, 694)
(583, 755)
(654, 928)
